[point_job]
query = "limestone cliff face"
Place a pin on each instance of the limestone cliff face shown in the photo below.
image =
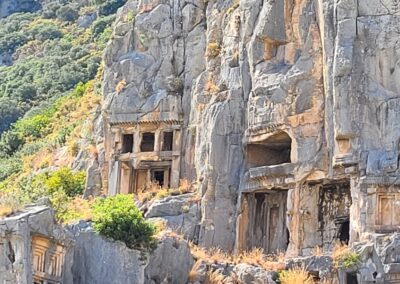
(288, 104)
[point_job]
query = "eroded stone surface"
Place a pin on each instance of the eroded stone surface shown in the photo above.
(298, 98)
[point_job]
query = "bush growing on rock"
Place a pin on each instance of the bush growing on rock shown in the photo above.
(118, 218)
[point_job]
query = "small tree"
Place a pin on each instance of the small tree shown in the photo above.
(118, 218)
(67, 14)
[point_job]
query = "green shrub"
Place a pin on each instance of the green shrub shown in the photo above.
(9, 166)
(101, 24)
(51, 183)
(118, 218)
(64, 179)
(44, 32)
(33, 127)
(50, 11)
(344, 257)
(10, 42)
(110, 7)
(67, 14)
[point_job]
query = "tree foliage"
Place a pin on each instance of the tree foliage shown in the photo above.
(118, 218)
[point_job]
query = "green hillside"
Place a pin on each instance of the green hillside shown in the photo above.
(49, 93)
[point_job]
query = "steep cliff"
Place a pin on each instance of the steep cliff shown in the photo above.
(285, 111)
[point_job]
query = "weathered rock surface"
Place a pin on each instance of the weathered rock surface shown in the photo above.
(180, 213)
(32, 246)
(16, 242)
(286, 110)
(100, 261)
(169, 263)
(248, 274)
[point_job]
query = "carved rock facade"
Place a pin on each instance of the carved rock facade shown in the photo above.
(285, 112)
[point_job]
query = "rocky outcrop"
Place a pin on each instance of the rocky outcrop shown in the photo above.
(246, 273)
(286, 112)
(23, 248)
(33, 247)
(170, 262)
(95, 258)
(180, 214)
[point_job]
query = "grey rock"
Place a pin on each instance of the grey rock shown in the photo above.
(86, 20)
(169, 263)
(248, 274)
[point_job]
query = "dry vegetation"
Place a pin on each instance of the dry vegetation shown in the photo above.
(8, 205)
(298, 275)
(210, 86)
(215, 277)
(213, 50)
(344, 257)
(154, 191)
(318, 251)
(120, 86)
(254, 257)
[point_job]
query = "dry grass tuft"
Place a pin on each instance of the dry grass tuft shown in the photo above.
(214, 277)
(318, 251)
(120, 86)
(8, 204)
(5, 210)
(254, 257)
(344, 257)
(213, 50)
(211, 87)
(257, 257)
(298, 275)
(193, 274)
(154, 191)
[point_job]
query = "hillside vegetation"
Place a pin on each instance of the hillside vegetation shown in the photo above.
(49, 94)
(50, 52)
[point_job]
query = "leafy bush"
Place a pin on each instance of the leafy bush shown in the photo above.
(46, 31)
(67, 14)
(110, 7)
(10, 42)
(344, 257)
(101, 24)
(118, 218)
(11, 31)
(50, 11)
(64, 179)
(9, 166)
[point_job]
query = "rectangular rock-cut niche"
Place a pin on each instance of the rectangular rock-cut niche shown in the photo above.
(126, 178)
(148, 142)
(388, 211)
(127, 143)
(168, 140)
(274, 150)
(334, 213)
(47, 261)
(141, 180)
(266, 221)
(161, 176)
